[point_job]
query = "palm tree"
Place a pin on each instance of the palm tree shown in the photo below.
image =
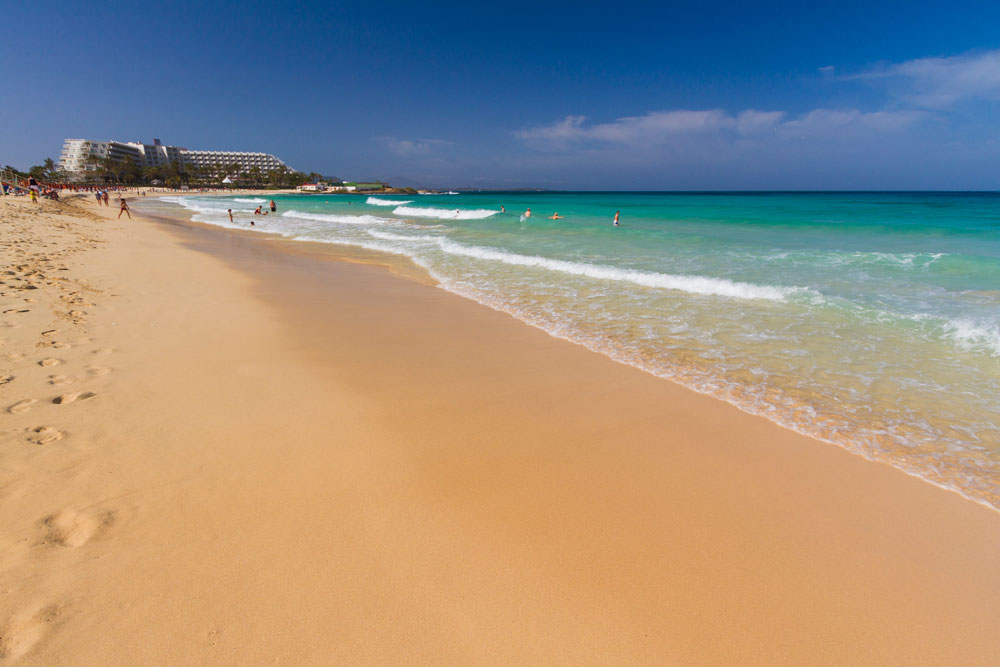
(172, 174)
(108, 167)
(51, 170)
(93, 164)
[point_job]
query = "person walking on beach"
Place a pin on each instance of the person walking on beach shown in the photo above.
(34, 196)
(274, 207)
(97, 196)
(230, 215)
(124, 209)
(617, 213)
(106, 198)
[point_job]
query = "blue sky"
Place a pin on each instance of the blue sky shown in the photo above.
(710, 95)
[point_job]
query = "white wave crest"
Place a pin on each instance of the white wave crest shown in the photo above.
(690, 284)
(194, 205)
(387, 236)
(330, 217)
(375, 201)
(975, 335)
(443, 213)
(251, 200)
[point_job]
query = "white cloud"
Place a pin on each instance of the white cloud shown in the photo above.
(686, 129)
(410, 148)
(652, 128)
(939, 83)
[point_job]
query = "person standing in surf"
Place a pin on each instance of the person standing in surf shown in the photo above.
(527, 213)
(274, 207)
(617, 213)
(230, 215)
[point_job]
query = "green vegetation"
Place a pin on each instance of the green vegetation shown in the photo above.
(47, 171)
(367, 186)
(107, 171)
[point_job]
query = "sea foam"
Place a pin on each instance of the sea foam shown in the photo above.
(332, 217)
(691, 284)
(443, 213)
(375, 201)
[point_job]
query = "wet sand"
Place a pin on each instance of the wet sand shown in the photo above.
(274, 456)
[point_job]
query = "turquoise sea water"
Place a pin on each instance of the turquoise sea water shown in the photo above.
(868, 320)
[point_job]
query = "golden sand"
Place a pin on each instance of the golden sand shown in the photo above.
(219, 449)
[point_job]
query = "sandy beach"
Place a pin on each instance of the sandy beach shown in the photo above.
(220, 448)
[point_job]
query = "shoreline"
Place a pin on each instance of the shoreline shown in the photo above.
(405, 266)
(422, 478)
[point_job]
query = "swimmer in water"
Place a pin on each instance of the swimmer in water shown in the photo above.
(502, 209)
(527, 213)
(617, 213)
(555, 216)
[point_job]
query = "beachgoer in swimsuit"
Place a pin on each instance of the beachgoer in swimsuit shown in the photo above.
(617, 213)
(230, 215)
(555, 216)
(124, 209)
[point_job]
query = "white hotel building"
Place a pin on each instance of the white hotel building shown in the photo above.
(75, 161)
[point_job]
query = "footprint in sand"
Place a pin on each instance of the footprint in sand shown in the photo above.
(103, 351)
(51, 361)
(6, 379)
(59, 379)
(98, 370)
(75, 396)
(50, 332)
(20, 631)
(43, 435)
(61, 346)
(22, 406)
(70, 528)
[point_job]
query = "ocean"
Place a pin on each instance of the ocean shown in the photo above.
(868, 320)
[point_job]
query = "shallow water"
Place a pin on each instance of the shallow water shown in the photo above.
(869, 320)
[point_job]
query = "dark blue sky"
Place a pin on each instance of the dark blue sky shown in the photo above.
(710, 95)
